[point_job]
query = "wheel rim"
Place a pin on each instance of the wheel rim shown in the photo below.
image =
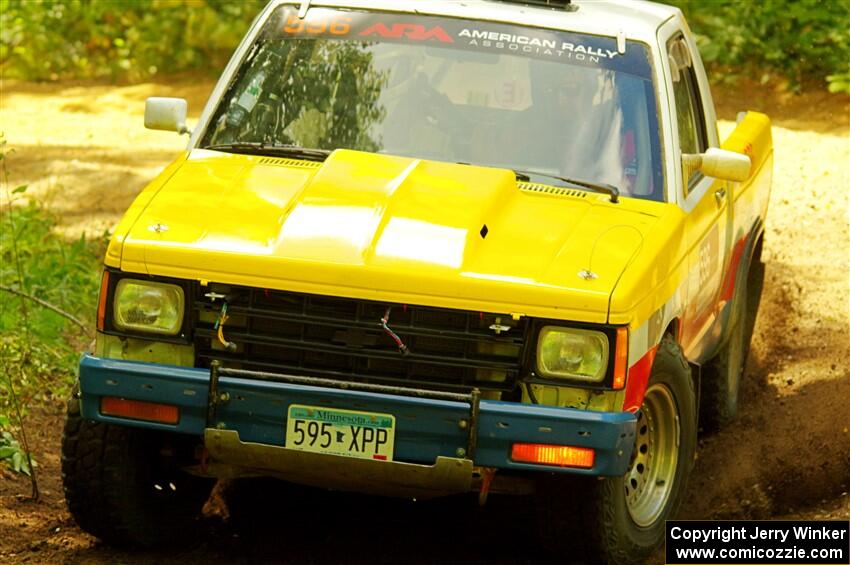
(652, 471)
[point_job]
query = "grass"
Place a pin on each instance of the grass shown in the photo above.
(38, 346)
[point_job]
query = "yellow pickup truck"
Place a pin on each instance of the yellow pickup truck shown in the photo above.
(429, 248)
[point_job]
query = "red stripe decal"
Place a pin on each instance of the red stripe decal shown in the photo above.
(380, 457)
(732, 271)
(636, 383)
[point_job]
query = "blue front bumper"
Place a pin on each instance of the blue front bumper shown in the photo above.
(425, 428)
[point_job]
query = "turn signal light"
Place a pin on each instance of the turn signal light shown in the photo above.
(101, 301)
(621, 358)
(139, 410)
(558, 455)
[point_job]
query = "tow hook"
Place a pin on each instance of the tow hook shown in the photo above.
(487, 475)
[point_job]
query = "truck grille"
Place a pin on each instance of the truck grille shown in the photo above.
(342, 338)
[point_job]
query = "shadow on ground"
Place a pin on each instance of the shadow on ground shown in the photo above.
(790, 448)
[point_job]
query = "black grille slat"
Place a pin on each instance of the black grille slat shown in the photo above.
(334, 337)
(462, 361)
(334, 322)
(441, 385)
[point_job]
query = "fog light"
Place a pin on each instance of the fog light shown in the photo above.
(557, 455)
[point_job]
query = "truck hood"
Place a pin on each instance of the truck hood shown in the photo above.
(389, 228)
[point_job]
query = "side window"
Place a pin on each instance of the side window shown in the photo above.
(689, 114)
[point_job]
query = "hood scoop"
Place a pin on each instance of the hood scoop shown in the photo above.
(279, 162)
(546, 189)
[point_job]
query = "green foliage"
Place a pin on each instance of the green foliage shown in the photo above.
(119, 39)
(38, 347)
(840, 82)
(798, 41)
(137, 39)
(64, 273)
(11, 451)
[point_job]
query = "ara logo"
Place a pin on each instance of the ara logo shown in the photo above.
(411, 31)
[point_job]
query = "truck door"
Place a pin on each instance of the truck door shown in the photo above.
(706, 202)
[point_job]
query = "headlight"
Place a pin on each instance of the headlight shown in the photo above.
(571, 353)
(148, 307)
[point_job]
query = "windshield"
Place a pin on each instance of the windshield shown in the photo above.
(539, 101)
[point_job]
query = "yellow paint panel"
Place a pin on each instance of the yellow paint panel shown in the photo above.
(390, 228)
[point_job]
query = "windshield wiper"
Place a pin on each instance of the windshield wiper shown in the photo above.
(262, 148)
(613, 191)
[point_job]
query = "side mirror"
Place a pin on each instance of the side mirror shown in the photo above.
(719, 164)
(167, 114)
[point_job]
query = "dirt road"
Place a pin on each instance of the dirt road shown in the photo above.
(83, 150)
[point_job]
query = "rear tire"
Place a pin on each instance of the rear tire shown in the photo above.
(125, 485)
(755, 285)
(621, 520)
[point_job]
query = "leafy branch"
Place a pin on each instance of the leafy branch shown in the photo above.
(47, 305)
(15, 452)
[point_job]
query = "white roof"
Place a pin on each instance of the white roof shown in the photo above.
(635, 19)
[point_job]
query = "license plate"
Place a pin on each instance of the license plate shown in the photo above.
(340, 432)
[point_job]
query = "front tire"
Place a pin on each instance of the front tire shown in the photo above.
(125, 485)
(721, 377)
(621, 520)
